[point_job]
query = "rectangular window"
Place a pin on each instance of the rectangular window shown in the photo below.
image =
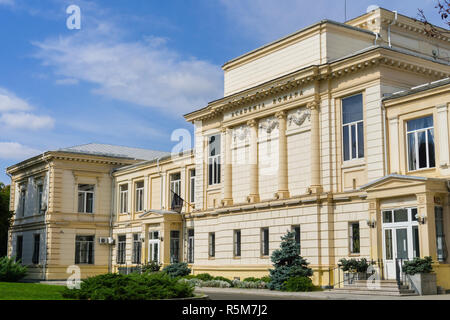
(175, 186)
(192, 186)
(388, 243)
(86, 198)
(19, 248)
(36, 247)
(190, 245)
(265, 241)
(123, 198)
(40, 195)
(154, 243)
(84, 250)
(174, 246)
(212, 244)
(214, 159)
(121, 249)
(354, 237)
(353, 127)
(137, 249)
(296, 229)
(139, 196)
(22, 198)
(420, 141)
(440, 238)
(237, 243)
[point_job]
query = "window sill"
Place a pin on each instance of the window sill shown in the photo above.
(214, 187)
(237, 258)
(264, 257)
(211, 258)
(353, 163)
(354, 254)
(421, 170)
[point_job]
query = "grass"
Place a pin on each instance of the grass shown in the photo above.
(30, 291)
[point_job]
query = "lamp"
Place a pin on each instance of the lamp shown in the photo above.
(371, 223)
(420, 218)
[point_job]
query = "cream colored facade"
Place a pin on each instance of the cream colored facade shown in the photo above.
(270, 156)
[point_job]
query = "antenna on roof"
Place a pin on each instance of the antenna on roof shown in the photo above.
(345, 11)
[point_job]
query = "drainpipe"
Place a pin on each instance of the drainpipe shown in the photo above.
(389, 27)
(113, 184)
(384, 140)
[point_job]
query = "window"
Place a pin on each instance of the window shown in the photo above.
(175, 185)
(212, 244)
(123, 198)
(139, 196)
(86, 198)
(420, 136)
(153, 250)
(84, 250)
(265, 241)
(440, 238)
(354, 237)
(192, 186)
(22, 198)
(296, 229)
(137, 249)
(121, 249)
(190, 245)
(237, 243)
(174, 246)
(40, 194)
(36, 246)
(214, 160)
(353, 127)
(19, 248)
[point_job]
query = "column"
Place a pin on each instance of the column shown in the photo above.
(394, 155)
(315, 186)
(228, 174)
(442, 126)
(283, 188)
(427, 230)
(253, 165)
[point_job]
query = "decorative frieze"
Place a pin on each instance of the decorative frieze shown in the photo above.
(269, 125)
(299, 117)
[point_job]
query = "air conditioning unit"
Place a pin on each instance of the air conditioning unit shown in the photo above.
(103, 240)
(110, 240)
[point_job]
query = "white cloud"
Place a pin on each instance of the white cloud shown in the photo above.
(16, 151)
(146, 72)
(66, 81)
(24, 120)
(7, 2)
(10, 102)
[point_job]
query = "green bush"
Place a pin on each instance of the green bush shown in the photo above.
(418, 265)
(147, 286)
(204, 276)
(251, 279)
(295, 284)
(151, 266)
(10, 270)
(265, 279)
(354, 265)
(220, 278)
(179, 269)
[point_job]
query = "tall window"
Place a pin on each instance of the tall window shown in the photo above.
(19, 248)
(265, 241)
(84, 250)
(40, 194)
(86, 198)
(36, 246)
(153, 250)
(22, 198)
(440, 238)
(175, 185)
(192, 186)
(123, 196)
(190, 246)
(237, 243)
(354, 237)
(214, 159)
(212, 244)
(420, 136)
(174, 246)
(353, 127)
(139, 196)
(137, 249)
(296, 229)
(121, 249)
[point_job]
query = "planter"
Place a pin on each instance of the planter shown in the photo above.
(351, 277)
(423, 283)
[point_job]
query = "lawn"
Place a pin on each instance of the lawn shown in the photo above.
(30, 291)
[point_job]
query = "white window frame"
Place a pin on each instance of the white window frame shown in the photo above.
(175, 186)
(40, 195)
(123, 199)
(352, 249)
(121, 249)
(350, 125)
(22, 200)
(237, 245)
(85, 193)
(215, 162)
(191, 246)
(265, 246)
(139, 197)
(416, 144)
(211, 245)
(192, 185)
(90, 247)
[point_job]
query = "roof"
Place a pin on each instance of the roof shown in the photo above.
(420, 88)
(398, 176)
(115, 151)
(160, 212)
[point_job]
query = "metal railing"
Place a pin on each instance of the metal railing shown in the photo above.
(338, 278)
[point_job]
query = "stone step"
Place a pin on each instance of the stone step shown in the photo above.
(375, 292)
(357, 289)
(380, 284)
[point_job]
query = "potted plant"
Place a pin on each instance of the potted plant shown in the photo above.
(420, 276)
(354, 269)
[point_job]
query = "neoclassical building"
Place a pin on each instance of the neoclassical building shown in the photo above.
(339, 132)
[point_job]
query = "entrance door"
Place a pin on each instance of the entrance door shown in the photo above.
(153, 246)
(400, 239)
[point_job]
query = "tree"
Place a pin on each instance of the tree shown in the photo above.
(287, 263)
(5, 218)
(443, 7)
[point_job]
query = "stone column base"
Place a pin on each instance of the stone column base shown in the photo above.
(252, 198)
(282, 195)
(227, 202)
(315, 189)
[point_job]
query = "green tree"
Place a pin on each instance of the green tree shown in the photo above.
(5, 218)
(287, 263)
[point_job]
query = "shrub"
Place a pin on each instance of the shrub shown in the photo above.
(223, 279)
(251, 279)
(204, 276)
(265, 279)
(147, 286)
(151, 266)
(10, 270)
(179, 269)
(287, 262)
(418, 265)
(216, 283)
(249, 284)
(298, 284)
(354, 265)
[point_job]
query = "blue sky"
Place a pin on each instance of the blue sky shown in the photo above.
(135, 67)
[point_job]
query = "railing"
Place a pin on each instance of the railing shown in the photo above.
(337, 278)
(400, 276)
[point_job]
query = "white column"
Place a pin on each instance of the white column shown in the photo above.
(283, 190)
(394, 154)
(442, 122)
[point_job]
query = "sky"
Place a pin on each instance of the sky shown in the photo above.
(134, 67)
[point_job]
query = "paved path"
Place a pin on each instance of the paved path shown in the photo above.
(262, 294)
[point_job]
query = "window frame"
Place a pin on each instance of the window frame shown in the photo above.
(237, 243)
(90, 252)
(192, 186)
(355, 125)
(265, 242)
(19, 257)
(136, 256)
(121, 257)
(212, 245)
(139, 196)
(36, 248)
(85, 201)
(40, 196)
(351, 238)
(174, 185)
(123, 199)
(293, 228)
(190, 245)
(214, 162)
(416, 144)
(175, 245)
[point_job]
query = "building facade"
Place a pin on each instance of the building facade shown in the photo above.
(339, 132)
